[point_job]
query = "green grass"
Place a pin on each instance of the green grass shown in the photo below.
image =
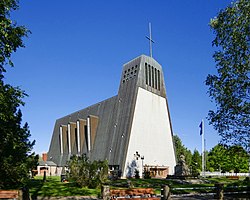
(53, 186)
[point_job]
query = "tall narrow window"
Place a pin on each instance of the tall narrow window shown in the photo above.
(61, 139)
(156, 78)
(149, 70)
(159, 80)
(68, 144)
(146, 73)
(60, 144)
(69, 138)
(76, 139)
(88, 134)
(153, 77)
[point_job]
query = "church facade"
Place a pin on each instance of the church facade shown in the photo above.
(132, 130)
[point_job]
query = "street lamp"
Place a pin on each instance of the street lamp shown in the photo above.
(50, 158)
(142, 158)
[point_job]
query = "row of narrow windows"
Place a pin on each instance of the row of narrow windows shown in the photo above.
(65, 144)
(153, 78)
(71, 142)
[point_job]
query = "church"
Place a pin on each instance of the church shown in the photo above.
(132, 130)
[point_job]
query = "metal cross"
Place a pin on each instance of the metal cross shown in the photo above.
(150, 40)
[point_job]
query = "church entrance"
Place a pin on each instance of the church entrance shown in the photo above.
(157, 171)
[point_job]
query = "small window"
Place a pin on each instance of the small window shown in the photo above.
(132, 68)
(131, 72)
(128, 70)
(125, 71)
(146, 73)
(135, 66)
(135, 71)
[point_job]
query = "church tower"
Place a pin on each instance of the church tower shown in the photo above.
(131, 130)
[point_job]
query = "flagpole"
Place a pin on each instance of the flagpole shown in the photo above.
(203, 146)
(205, 156)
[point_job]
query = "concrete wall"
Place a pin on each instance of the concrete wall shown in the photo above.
(151, 134)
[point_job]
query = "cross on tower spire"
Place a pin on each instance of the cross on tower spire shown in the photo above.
(150, 40)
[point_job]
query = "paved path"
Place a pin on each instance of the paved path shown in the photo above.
(205, 197)
(192, 197)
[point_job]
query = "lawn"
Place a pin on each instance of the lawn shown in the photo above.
(53, 186)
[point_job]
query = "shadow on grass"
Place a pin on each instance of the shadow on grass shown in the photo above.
(35, 186)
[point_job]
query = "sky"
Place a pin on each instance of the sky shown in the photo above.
(74, 56)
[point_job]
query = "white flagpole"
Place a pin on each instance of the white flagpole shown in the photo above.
(203, 146)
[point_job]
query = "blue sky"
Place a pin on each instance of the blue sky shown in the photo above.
(74, 58)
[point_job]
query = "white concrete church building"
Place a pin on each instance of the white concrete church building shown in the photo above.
(132, 130)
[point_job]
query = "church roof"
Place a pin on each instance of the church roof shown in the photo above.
(46, 163)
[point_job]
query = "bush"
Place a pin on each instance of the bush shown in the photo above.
(86, 173)
(137, 174)
(146, 174)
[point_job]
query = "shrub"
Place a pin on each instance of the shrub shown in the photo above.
(137, 174)
(86, 173)
(146, 174)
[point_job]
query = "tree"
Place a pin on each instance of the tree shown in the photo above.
(217, 159)
(86, 173)
(196, 163)
(180, 149)
(230, 88)
(226, 159)
(11, 34)
(15, 148)
(238, 159)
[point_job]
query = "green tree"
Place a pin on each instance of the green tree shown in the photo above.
(180, 149)
(217, 158)
(15, 148)
(86, 173)
(11, 34)
(196, 163)
(227, 159)
(230, 88)
(238, 159)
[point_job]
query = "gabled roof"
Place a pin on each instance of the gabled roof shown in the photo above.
(46, 163)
